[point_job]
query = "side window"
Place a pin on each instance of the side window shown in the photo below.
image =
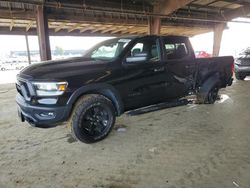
(175, 49)
(137, 49)
(146, 47)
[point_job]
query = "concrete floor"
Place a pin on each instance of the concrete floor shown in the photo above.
(196, 146)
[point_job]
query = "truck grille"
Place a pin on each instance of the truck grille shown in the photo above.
(23, 89)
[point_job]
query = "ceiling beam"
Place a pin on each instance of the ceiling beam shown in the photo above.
(76, 26)
(101, 28)
(63, 32)
(12, 23)
(60, 27)
(140, 30)
(170, 6)
(121, 29)
(113, 28)
(239, 12)
(29, 26)
(88, 27)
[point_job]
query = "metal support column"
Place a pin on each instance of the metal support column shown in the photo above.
(154, 25)
(218, 32)
(43, 33)
(28, 48)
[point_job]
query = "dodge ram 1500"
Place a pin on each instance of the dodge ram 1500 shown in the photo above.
(116, 76)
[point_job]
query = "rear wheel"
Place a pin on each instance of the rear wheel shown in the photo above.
(208, 98)
(92, 118)
(212, 96)
(239, 76)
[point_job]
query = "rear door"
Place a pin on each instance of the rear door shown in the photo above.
(180, 65)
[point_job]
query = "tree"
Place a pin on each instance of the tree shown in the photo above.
(59, 51)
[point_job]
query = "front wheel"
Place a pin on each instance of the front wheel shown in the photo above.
(240, 76)
(92, 118)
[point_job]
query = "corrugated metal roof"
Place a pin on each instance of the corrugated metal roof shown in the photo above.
(117, 17)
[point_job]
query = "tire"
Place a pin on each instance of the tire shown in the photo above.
(209, 98)
(212, 96)
(92, 119)
(239, 76)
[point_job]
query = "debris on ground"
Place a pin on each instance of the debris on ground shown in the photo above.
(235, 184)
(121, 130)
(153, 149)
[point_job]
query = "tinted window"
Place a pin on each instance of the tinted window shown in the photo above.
(175, 49)
(148, 47)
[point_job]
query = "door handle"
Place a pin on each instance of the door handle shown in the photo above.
(189, 66)
(159, 69)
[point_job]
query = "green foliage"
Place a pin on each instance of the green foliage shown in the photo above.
(59, 50)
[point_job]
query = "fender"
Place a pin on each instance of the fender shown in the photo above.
(105, 89)
(207, 85)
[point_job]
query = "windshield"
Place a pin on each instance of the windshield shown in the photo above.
(109, 49)
(245, 53)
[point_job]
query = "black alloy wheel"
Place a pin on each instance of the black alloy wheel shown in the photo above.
(212, 95)
(95, 120)
(92, 119)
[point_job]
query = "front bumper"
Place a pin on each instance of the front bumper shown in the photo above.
(40, 115)
(242, 69)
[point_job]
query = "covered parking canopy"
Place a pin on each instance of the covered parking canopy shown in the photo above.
(118, 17)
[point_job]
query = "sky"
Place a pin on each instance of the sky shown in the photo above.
(235, 38)
(17, 42)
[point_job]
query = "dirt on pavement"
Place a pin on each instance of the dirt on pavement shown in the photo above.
(196, 146)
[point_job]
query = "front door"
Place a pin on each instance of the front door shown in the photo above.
(143, 74)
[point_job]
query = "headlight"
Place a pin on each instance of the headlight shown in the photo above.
(50, 88)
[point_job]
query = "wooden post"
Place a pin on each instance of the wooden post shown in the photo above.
(28, 48)
(154, 26)
(164, 8)
(218, 32)
(43, 33)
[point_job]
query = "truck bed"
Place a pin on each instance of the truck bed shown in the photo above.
(222, 66)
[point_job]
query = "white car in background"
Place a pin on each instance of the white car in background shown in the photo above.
(13, 66)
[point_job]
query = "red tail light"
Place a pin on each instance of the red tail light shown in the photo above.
(232, 68)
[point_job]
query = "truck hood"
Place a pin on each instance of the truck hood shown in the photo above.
(243, 61)
(57, 69)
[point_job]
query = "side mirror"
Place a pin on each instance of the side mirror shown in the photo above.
(137, 58)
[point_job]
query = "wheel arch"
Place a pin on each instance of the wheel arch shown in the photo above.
(103, 89)
(207, 85)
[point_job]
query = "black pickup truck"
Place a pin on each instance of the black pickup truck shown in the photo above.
(116, 76)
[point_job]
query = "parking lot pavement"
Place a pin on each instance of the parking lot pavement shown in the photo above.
(189, 146)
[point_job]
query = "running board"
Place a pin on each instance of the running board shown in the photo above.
(159, 106)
